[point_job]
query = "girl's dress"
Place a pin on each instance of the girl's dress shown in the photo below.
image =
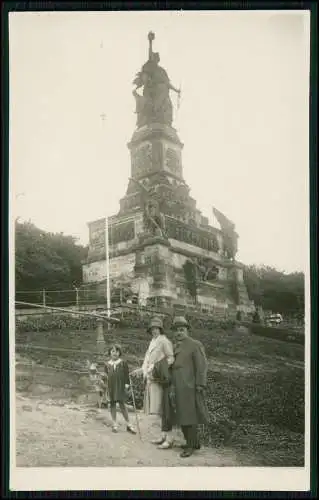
(117, 377)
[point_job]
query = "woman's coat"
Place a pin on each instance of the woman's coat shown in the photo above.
(159, 348)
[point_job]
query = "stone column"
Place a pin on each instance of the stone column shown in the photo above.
(100, 334)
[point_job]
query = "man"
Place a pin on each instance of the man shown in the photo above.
(189, 373)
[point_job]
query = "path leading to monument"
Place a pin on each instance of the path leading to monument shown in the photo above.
(78, 436)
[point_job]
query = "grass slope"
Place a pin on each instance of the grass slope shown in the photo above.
(255, 390)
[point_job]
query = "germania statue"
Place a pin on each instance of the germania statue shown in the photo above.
(154, 104)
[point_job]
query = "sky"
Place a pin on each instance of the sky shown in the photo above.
(243, 119)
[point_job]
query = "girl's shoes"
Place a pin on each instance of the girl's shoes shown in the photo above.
(114, 428)
(165, 445)
(130, 429)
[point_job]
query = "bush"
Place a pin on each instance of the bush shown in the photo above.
(54, 322)
(284, 334)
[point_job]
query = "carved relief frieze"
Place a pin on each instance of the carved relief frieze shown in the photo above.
(141, 158)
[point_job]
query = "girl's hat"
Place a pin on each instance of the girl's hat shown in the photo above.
(180, 321)
(155, 323)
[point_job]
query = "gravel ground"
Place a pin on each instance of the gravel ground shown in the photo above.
(51, 435)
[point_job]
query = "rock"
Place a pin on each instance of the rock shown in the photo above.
(27, 408)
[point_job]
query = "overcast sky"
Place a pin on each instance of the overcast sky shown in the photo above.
(243, 118)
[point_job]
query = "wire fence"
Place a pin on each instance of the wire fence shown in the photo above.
(122, 299)
(95, 299)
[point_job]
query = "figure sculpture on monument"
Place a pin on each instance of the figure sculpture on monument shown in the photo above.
(229, 233)
(154, 219)
(206, 269)
(155, 105)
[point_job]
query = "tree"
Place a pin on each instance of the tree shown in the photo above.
(276, 291)
(191, 279)
(46, 260)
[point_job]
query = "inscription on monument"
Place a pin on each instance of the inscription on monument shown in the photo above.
(178, 231)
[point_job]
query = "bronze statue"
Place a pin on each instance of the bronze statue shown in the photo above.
(229, 234)
(206, 269)
(154, 219)
(154, 105)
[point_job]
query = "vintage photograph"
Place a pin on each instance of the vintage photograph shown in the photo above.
(159, 222)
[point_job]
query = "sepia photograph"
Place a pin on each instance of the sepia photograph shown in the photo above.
(159, 250)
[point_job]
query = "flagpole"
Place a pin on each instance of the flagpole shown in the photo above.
(107, 261)
(107, 253)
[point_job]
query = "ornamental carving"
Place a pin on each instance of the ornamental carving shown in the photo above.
(142, 160)
(172, 161)
(157, 159)
(121, 232)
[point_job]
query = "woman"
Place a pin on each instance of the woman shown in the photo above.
(160, 348)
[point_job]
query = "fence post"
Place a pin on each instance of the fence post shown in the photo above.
(77, 297)
(43, 298)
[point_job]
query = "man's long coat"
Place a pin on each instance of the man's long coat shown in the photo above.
(188, 371)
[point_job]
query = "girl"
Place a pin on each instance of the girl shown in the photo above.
(118, 384)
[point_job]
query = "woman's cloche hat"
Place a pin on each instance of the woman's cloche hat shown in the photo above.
(155, 323)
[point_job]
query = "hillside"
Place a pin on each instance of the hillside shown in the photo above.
(255, 391)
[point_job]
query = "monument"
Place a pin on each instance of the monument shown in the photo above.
(161, 247)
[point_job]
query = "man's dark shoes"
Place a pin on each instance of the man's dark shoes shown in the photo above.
(187, 452)
(184, 447)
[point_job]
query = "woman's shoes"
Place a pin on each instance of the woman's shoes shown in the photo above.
(130, 429)
(114, 428)
(166, 445)
(159, 440)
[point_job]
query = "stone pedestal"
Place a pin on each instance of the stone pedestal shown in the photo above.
(100, 334)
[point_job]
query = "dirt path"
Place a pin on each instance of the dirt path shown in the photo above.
(76, 436)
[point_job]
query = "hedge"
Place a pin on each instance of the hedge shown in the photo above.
(283, 334)
(128, 319)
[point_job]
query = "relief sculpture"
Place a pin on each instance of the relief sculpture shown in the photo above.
(142, 160)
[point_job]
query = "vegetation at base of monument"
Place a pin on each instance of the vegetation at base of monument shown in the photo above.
(255, 391)
(293, 335)
(276, 291)
(46, 260)
(190, 278)
(133, 319)
(128, 319)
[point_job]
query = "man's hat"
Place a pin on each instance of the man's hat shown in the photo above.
(155, 323)
(180, 321)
